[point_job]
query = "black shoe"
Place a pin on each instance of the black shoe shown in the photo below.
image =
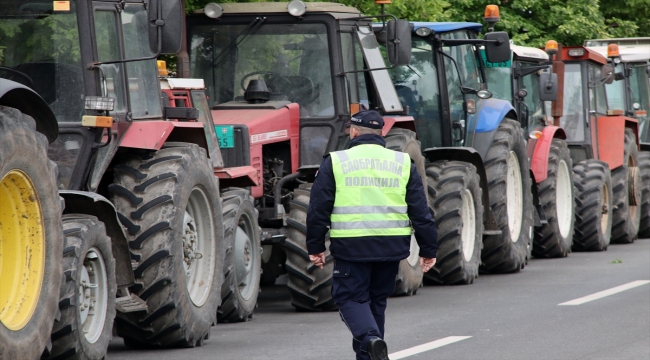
(377, 349)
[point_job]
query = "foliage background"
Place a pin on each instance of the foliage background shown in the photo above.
(528, 22)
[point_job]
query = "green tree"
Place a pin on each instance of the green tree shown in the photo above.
(626, 15)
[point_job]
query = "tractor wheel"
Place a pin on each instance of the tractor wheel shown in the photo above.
(626, 181)
(455, 198)
(168, 202)
(31, 238)
(556, 197)
(87, 299)
(273, 259)
(644, 168)
(511, 200)
(310, 286)
(242, 266)
(409, 275)
(593, 199)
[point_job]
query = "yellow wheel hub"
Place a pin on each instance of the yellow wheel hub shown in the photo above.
(22, 250)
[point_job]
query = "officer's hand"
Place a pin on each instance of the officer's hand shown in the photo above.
(318, 259)
(427, 263)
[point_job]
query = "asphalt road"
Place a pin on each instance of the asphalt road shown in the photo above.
(514, 316)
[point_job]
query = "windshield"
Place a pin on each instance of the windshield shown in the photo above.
(292, 59)
(616, 95)
(573, 120)
(39, 47)
(534, 105)
(640, 95)
(499, 80)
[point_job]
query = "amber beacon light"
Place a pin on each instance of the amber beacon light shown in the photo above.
(491, 16)
(551, 47)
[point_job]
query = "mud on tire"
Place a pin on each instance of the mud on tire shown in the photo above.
(242, 238)
(84, 329)
(23, 155)
(593, 199)
(310, 286)
(506, 159)
(554, 239)
(644, 168)
(625, 217)
(168, 202)
(455, 197)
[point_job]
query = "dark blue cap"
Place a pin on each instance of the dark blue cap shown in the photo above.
(368, 118)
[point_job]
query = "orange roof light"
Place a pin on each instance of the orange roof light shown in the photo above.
(162, 68)
(382, 2)
(612, 51)
(491, 14)
(551, 47)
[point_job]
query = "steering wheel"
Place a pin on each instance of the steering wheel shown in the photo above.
(265, 73)
(25, 76)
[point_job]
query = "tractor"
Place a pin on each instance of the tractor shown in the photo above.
(484, 212)
(142, 243)
(283, 80)
(631, 92)
(604, 147)
(526, 80)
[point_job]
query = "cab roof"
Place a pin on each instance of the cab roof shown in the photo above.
(442, 27)
(281, 8)
(526, 52)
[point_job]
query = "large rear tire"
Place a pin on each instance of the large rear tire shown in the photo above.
(30, 214)
(644, 168)
(168, 202)
(242, 266)
(456, 200)
(593, 199)
(310, 286)
(556, 198)
(409, 276)
(87, 298)
(511, 200)
(626, 216)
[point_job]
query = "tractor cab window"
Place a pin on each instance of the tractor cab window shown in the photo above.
(353, 60)
(39, 48)
(417, 88)
(639, 92)
(597, 98)
(616, 95)
(499, 81)
(533, 105)
(573, 120)
(292, 59)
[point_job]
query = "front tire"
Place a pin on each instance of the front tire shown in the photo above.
(30, 218)
(87, 299)
(243, 257)
(456, 200)
(310, 286)
(626, 217)
(593, 198)
(511, 200)
(556, 197)
(168, 202)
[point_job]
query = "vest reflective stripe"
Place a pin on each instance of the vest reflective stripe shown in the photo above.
(370, 210)
(370, 192)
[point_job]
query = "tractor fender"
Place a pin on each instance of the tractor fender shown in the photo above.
(20, 97)
(152, 134)
(471, 156)
(402, 122)
(490, 114)
(539, 159)
(611, 137)
(83, 202)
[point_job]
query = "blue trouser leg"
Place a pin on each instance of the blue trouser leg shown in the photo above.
(360, 290)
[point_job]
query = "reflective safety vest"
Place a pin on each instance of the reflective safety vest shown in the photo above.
(370, 192)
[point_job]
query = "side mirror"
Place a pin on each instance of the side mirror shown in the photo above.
(497, 47)
(548, 87)
(165, 26)
(607, 74)
(398, 42)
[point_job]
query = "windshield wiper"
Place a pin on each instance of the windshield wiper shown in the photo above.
(251, 28)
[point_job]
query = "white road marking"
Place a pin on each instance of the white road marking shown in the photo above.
(608, 292)
(426, 347)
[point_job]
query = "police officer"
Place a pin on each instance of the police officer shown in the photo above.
(365, 196)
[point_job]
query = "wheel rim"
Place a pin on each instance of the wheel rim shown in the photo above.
(564, 199)
(198, 248)
(22, 276)
(514, 200)
(468, 233)
(414, 252)
(245, 255)
(93, 295)
(604, 220)
(633, 176)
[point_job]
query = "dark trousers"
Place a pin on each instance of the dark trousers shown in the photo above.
(360, 289)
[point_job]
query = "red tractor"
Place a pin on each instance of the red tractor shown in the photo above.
(604, 146)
